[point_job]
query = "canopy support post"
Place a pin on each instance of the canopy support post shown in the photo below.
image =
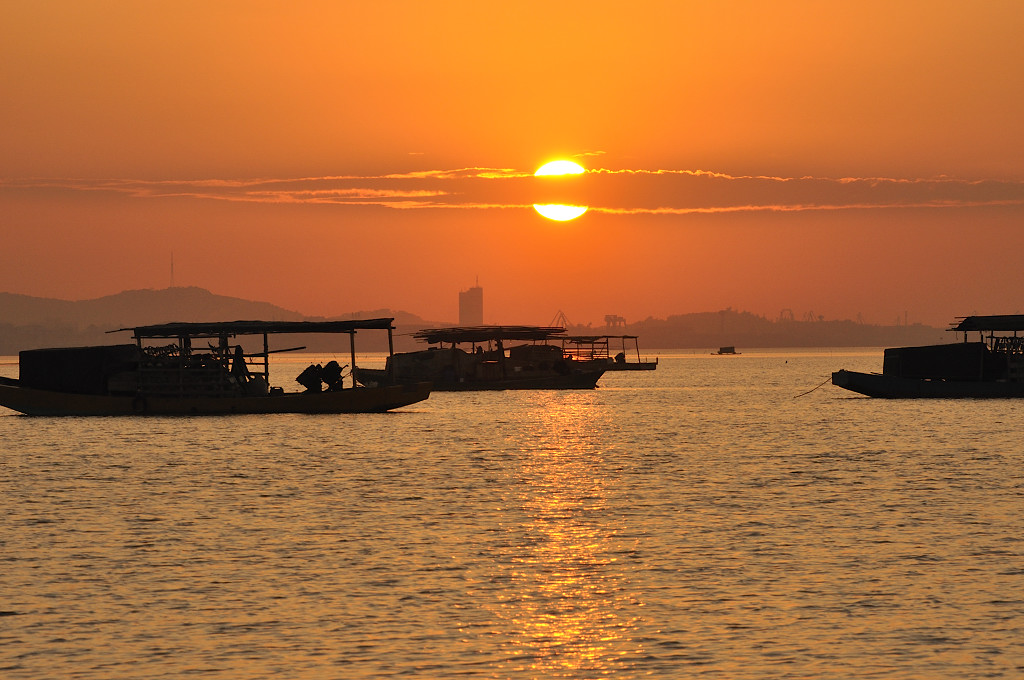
(352, 347)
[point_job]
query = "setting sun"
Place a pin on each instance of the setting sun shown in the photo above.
(558, 211)
(559, 168)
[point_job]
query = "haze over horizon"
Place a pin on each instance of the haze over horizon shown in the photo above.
(783, 314)
(848, 159)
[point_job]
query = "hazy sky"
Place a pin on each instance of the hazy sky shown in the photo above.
(840, 158)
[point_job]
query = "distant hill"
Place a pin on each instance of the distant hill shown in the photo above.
(28, 322)
(136, 308)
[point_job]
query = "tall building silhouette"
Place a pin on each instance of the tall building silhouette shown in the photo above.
(471, 306)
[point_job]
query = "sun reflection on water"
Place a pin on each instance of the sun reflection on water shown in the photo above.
(568, 595)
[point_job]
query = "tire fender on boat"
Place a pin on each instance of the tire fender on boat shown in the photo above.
(139, 404)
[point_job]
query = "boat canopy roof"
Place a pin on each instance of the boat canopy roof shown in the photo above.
(459, 334)
(999, 322)
(588, 339)
(223, 328)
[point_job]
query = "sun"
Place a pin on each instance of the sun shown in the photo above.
(558, 211)
(559, 168)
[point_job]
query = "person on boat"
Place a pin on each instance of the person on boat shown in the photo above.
(331, 375)
(239, 369)
(311, 378)
(252, 385)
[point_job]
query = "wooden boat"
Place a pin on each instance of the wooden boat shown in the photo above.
(490, 363)
(178, 379)
(597, 349)
(991, 367)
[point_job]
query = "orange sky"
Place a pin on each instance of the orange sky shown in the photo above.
(839, 158)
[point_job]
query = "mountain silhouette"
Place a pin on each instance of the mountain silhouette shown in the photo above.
(28, 322)
(136, 308)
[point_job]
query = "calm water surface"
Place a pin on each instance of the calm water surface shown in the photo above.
(699, 521)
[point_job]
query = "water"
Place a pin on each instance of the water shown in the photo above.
(698, 521)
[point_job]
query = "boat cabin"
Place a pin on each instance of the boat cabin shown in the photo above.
(996, 354)
(598, 348)
(990, 366)
(489, 357)
(181, 360)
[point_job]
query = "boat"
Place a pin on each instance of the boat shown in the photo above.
(497, 358)
(167, 372)
(990, 367)
(727, 349)
(597, 349)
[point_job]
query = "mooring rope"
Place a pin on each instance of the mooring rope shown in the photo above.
(802, 394)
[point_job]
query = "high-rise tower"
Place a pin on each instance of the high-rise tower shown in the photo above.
(471, 306)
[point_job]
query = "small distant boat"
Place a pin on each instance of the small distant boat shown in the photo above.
(491, 361)
(597, 349)
(152, 377)
(727, 349)
(992, 367)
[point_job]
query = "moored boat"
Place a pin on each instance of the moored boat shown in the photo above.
(491, 362)
(177, 379)
(991, 367)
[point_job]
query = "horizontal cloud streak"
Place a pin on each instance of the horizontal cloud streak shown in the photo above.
(610, 192)
(795, 208)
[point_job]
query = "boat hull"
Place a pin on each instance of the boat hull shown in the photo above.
(585, 380)
(581, 380)
(892, 387)
(627, 366)
(353, 400)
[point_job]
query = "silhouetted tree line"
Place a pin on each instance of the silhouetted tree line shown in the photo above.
(744, 329)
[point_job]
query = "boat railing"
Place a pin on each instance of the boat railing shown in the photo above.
(586, 353)
(586, 349)
(599, 348)
(1006, 344)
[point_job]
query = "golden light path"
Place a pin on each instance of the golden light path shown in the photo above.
(567, 593)
(558, 211)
